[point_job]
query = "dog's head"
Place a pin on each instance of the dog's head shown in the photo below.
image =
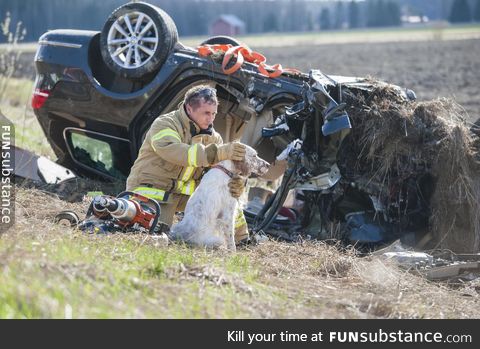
(251, 164)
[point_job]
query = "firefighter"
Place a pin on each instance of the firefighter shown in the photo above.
(176, 150)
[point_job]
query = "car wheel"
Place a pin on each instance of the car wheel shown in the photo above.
(221, 40)
(137, 39)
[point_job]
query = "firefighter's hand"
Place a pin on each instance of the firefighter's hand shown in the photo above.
(231, 151)
(236, 186)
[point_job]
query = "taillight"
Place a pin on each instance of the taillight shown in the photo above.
(39, 97)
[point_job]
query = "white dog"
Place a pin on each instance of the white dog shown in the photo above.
(210, 212)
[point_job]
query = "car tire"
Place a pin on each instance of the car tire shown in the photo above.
(221, 40)
(137, 39)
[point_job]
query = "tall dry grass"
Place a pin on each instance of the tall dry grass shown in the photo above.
(10, 52)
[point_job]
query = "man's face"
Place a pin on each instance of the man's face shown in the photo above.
(203, 115)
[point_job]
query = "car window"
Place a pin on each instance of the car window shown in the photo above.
(96, 153)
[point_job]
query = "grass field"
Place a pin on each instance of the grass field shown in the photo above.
(354, 36)
(433, 32)
(53, 271)
(15, 104)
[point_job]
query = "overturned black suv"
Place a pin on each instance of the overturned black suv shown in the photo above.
(352, 144)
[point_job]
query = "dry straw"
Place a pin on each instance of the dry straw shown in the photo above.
(426, 143)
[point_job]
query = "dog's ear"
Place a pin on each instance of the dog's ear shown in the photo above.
(242, 167)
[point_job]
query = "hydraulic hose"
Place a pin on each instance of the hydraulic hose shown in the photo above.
(275, 202)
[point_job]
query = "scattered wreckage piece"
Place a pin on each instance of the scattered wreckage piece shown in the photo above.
(452, 271)
(39, 172)
(438, 265)
(409, 259)
(434, 268)
(39, 169)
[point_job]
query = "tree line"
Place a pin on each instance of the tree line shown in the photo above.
(354, 14)
(194, 17)
(462, 11)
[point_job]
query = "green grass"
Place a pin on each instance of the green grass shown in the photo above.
(52, 271)
(114, 276)
(18, 91)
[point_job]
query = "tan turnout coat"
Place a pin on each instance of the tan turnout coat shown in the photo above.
(173, 155)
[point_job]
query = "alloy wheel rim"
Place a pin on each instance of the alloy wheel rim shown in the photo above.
(132, 40)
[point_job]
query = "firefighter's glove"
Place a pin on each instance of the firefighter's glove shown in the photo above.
(231, 151)
(236, 185)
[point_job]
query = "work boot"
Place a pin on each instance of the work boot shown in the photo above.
(241, 228)
(241, 234)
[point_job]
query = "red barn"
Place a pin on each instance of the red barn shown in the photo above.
(229, 25)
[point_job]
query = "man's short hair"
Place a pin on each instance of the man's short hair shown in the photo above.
(200, 94)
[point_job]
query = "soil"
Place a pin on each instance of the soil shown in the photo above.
(432, 69)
